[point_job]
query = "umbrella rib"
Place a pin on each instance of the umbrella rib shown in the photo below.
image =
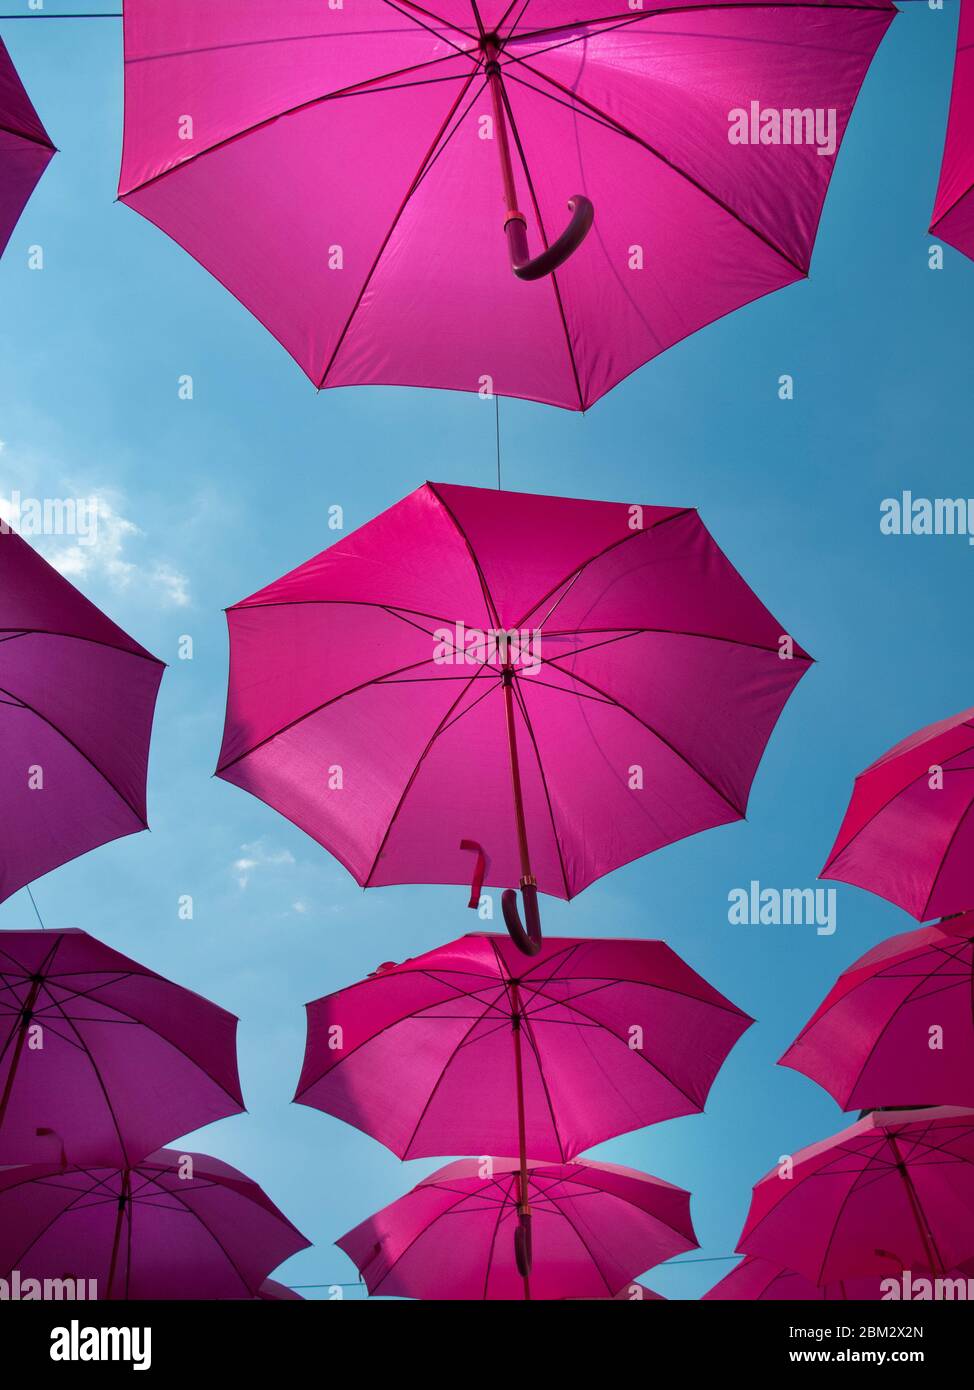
(613, 545)
(610, 1032)
(427, 157)
(414, 774)
(590, 108)
(77, 637)
(488, 597)
(45, 144)
(71, 743)
(367, 86)
(657, 735)
(518, 695)
(309, 714)
(623, 633)
(544, 236)
(502, 1207)
(834, 854)
(946, 854)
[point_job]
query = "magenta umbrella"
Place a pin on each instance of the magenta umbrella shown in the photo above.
(893, 1192)
(897, 1027)
(364, 178)
(172, 1226)
(756, 1280)
(556, 686)
(953, 212)
(25, 147)
(908, 834)
(76, 702)
(99, 1057)
(472, 1048)
(595, 1227)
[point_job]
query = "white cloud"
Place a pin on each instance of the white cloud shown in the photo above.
(105, 544)
(255, 856)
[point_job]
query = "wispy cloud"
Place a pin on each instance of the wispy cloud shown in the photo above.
(89, 536)
(256, 856)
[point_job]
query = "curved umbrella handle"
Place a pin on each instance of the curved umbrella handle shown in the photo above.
(523, 1256)
(583, 215)
(527, 941)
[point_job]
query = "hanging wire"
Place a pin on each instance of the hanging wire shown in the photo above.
(34, 906)
(114, 14)
(497, 432)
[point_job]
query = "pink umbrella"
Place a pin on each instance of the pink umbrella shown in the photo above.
(897, 1027)
(596, 1226)
(756, 1280)
(173, 1226)
(76, 703)
(363, 179)
(25, 147)
(893, 1192)
(908, 834)
(99, 1057)
(472, 1048)
(601, 666)
(629, 1293)
(953, 212)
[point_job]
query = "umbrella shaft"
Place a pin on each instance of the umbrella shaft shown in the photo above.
(116, 1240)
(522, 832)
(35, 989)
(500, 126)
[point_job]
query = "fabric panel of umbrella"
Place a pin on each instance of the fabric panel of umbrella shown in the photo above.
(405, 166)
(77, 697)
(596, 1226)
(100, 1058)
(471, 1048)
(172, 1226)
(908, 834)
(25, 147)
(897, 1028)
(379, 700)
(953, 212)
(892, 1193)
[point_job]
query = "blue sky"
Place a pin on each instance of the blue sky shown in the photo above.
(211, 498)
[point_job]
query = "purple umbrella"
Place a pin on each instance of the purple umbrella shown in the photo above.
(173, 1226)
(76, 702)
(25, 147)
(100, 1058)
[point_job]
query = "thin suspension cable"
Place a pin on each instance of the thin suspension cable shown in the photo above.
(106, 14)
(34, 906)
(497, 432)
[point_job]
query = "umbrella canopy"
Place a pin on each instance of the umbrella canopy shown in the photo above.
(173, 1226)
(76, 702)
(893, 1192)
(908, 834)
(897, 1027)
(101, 1058)
(25, 147)
(596, 1226)
(953, 212)
(759, 1281)
(594, 1038)
(604, 662)
(352, 175)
